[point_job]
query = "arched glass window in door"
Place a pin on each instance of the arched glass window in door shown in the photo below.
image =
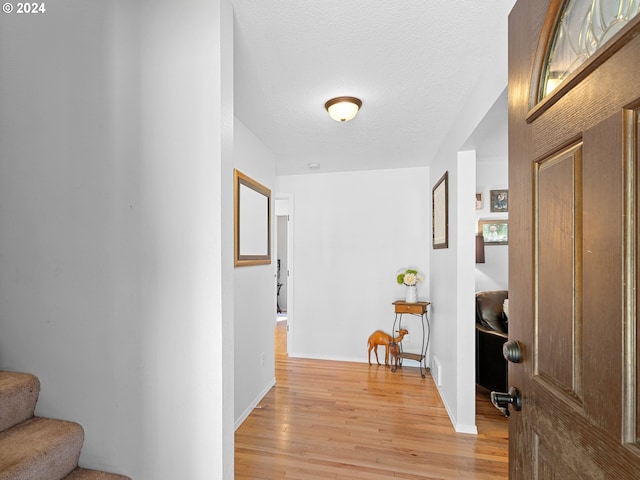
(583, 26)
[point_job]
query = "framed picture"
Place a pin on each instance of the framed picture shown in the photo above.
(252, 221)
(499, 200)
(478, 201)
(495, 231)
(440, 212)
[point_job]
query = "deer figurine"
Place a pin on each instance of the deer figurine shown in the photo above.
(394, 355)
(380, 338)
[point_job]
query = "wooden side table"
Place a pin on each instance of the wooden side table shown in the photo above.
(418, 309)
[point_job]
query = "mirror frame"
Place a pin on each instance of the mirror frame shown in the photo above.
(247, 258)
(440, 212)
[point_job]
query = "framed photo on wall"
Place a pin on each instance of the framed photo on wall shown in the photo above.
(499, 200)
(495, 231)
(478, 201)
(440, 212)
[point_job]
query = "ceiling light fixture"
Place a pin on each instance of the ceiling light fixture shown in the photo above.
(343, 109)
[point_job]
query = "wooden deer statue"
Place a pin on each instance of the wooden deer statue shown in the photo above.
(394, 355)
(380, 338)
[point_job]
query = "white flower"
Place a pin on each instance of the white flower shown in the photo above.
(410, 279)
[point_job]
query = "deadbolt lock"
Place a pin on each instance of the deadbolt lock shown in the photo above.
(512, 351)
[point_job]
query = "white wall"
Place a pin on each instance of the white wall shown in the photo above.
(492, 174)
(115, 134)
(186, 110)
(452, 287)
(465, 391)
(254, 288)
(453, 301)
(353, 232)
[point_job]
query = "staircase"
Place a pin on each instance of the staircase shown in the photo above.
(35, 448)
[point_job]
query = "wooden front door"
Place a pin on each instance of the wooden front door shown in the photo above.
(575, 226)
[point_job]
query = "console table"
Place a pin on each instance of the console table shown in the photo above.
(418, 309)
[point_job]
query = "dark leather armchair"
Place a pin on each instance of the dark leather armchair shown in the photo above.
(491, 334)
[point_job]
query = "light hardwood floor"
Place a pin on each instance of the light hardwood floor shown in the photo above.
(339, 420)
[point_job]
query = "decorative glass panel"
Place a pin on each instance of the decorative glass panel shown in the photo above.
(583, 27)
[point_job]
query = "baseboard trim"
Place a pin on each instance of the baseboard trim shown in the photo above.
(406, 362)
(469, 429)
(458, 427)
(254, 404)
(327, 357)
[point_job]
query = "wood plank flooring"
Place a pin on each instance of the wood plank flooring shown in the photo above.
(340, 420)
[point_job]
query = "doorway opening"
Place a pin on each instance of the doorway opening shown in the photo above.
(489, 144)
(283, 288)
(282, 267)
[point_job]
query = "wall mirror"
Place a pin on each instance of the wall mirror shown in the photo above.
(252, 221)
(440, 212)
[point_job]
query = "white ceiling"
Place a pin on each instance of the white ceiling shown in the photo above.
(413, 63)
(490, 139)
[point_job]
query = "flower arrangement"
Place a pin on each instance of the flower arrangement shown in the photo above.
(409, 277)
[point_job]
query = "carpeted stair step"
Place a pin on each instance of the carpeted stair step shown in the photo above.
(18, 397)
(83, 474)
(40, 449)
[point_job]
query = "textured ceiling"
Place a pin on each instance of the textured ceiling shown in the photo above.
(413, 63)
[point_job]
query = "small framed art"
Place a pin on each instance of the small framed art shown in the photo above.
(499, 200)
(495, 231)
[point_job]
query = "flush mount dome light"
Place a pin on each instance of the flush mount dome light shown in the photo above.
(343, 109)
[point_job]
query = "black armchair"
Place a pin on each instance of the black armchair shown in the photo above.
(491, 334)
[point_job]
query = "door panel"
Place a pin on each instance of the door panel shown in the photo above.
(603, 274)
(574, 228)
(558, 340)
(546, 466)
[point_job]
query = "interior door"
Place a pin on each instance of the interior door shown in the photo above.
(573, 176)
